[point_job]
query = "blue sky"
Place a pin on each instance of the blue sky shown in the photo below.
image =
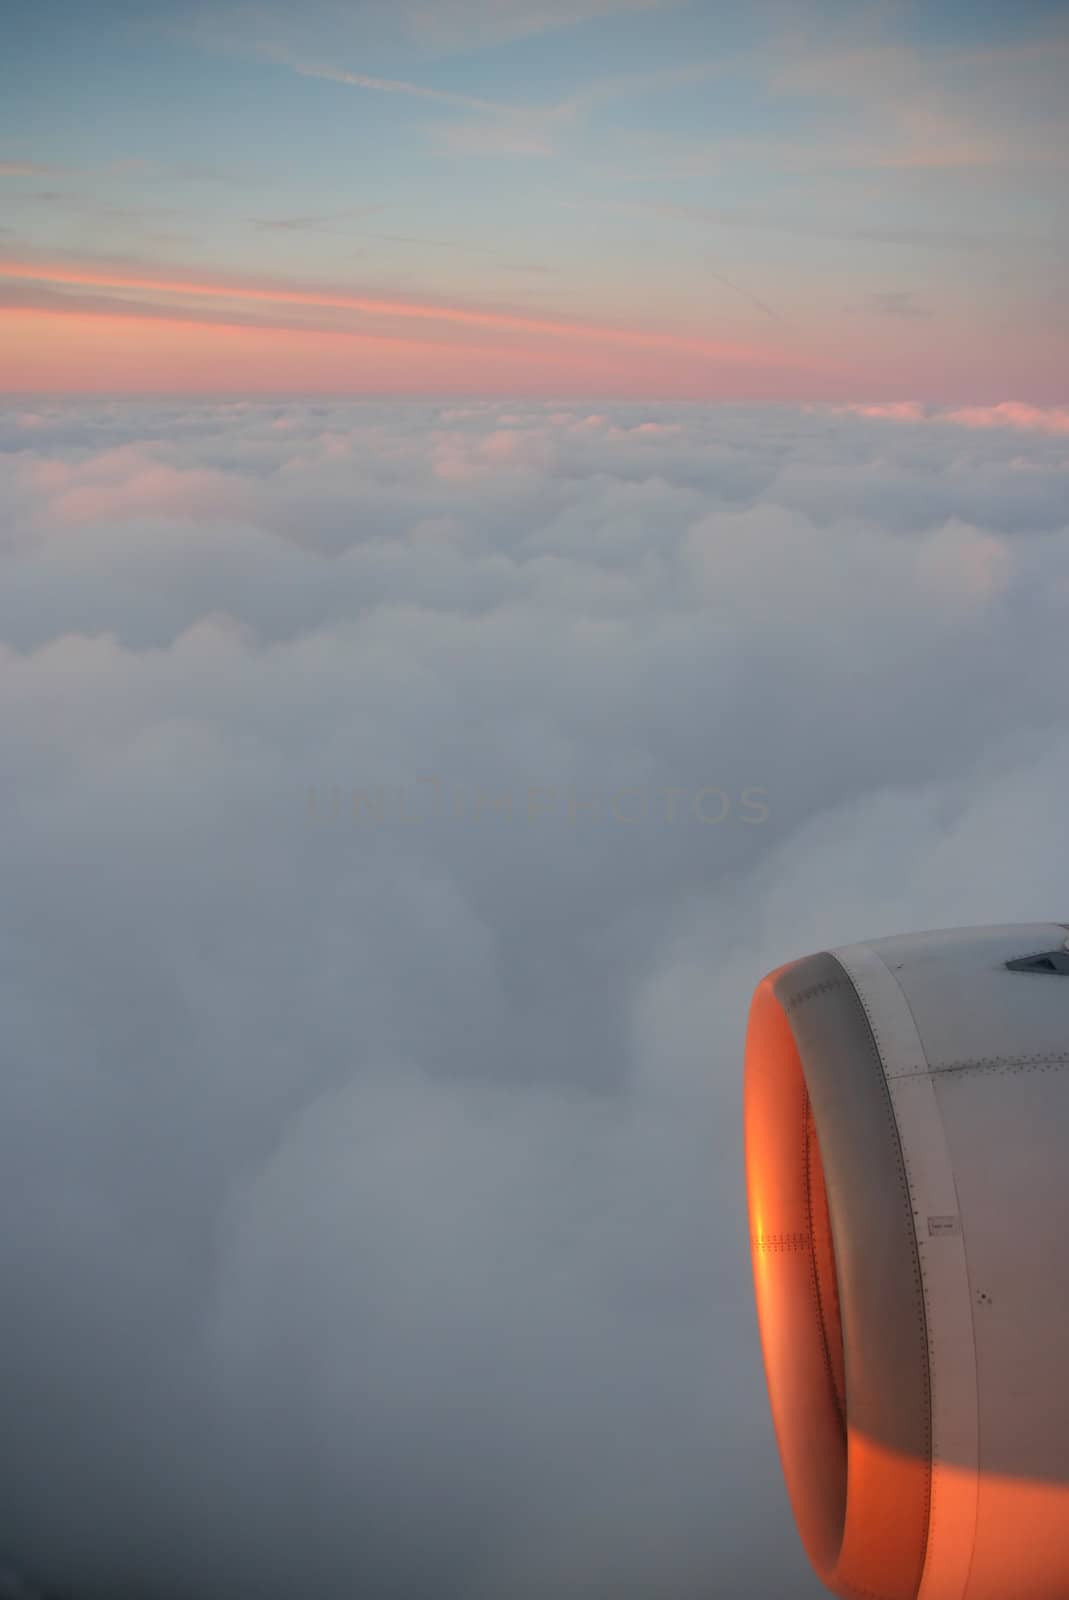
(835, 196)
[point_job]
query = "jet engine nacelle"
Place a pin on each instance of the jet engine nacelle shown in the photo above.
(907, 1163)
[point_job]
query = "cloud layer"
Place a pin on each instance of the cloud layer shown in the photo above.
(399, 806)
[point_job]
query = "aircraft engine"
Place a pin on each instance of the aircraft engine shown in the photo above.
(907, 1166)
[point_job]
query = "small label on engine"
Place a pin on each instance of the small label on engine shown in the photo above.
(943, 1225)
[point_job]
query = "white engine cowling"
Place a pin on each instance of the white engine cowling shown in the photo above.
(907, 1162)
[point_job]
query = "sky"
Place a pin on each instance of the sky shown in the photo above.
(399, 803)
(517, 517)
(626, 199)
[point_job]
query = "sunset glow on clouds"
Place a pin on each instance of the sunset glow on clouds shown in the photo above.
(1009, 414)
(660, 198)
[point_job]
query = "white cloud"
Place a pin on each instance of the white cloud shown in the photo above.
(373, 1216)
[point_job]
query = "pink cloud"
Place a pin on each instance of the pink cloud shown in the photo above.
(655, 430)
(1008, 414)
(188, 291)
(892, 411)
(26, 169)
(1014, 414)
(127, 482)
